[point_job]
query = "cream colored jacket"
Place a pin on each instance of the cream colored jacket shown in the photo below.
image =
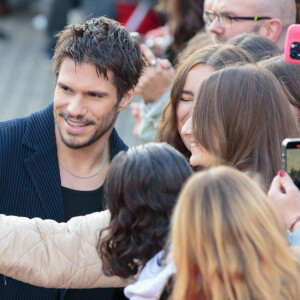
(54, 255)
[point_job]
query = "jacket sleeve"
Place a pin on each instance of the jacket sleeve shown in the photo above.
(54, 255)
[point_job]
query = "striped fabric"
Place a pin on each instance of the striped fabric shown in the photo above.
(30, 186)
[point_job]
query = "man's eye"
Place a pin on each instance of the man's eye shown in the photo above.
(65, 88)
(95, 95)
(225, 19)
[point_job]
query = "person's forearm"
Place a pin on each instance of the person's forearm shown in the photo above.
(54, 255)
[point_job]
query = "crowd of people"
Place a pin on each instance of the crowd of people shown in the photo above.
(203, 209)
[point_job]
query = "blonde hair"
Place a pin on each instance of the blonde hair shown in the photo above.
(228, 243)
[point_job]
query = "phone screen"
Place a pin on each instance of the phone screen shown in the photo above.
(293, 164)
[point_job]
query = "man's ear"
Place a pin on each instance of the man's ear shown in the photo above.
(126, 99)
(271, 29)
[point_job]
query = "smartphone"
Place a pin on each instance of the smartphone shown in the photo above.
(292, 44)
(291, 159)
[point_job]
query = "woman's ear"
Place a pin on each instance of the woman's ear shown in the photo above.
(126, 99)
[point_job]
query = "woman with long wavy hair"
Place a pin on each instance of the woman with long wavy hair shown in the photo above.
(228, 242)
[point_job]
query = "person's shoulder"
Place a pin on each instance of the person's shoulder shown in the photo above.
(14, 130)
(13, 124)
(47, 112)
(11, 135)
(45, 115)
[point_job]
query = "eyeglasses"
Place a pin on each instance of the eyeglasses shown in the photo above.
(225, 21)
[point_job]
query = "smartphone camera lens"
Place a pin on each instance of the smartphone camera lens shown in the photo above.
(293, 55)
(295, 51)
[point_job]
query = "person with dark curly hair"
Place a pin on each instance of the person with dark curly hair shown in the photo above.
(140, 192)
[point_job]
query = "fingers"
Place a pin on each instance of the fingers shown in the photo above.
(164, 64)
(286, 182)
(275, 187)
(154, 33)
(156, 79)
(148, 54)
(282, 184)
(285, 197)
(153, 61)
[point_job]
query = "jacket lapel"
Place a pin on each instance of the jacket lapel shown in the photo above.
(42, 164)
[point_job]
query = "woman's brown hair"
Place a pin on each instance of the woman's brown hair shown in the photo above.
(241, 116)
(215, 56)
(258, 46)
(288, 75)
(228, 242)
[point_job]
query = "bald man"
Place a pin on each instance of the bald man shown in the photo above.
(269, 18)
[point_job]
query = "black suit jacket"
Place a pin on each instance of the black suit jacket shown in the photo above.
(30, 186)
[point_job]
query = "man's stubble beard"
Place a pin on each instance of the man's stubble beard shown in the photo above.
(106, 124)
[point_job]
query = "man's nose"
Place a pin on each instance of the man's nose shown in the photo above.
(77, 106)
(215, 27)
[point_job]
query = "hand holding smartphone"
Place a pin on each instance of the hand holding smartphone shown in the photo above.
(291, 159)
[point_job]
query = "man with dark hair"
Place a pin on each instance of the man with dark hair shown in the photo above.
(53, 163)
